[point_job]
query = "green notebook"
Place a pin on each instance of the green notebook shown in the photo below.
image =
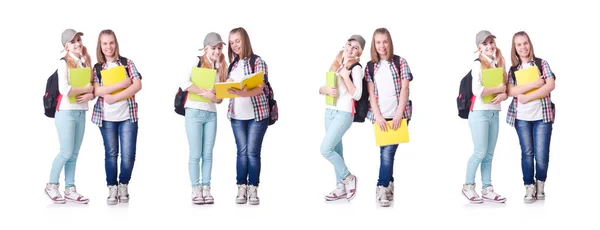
(79, 77)
(202, 78)
(331, 82)
(491, 78)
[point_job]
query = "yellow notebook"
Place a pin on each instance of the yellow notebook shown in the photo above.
(250, 82)
(526, 76)
(79, 77)
(202, 78)
(331, 80)
(112, 76)
(491, 78)
(391, 137)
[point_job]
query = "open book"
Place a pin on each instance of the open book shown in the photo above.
(250, 82)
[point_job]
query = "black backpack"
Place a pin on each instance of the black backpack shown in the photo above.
(464, 100)
(181, 96)
(51, 95)
(371, 69)
(362, 106)
(273, 108)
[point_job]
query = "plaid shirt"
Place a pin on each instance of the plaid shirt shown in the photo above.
(98, 113)
(548, 110)
(399, 73)
(260, 102)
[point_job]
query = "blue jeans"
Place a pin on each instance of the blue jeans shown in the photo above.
(113, 133)
(336, 124)
(70, 125)
(484, 132)
(201, 129)
(249, 136)
(534, 137)
(386, 165)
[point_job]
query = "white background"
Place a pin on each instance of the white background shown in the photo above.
(298, 41)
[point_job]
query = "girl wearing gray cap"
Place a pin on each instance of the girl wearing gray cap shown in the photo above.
(116, 114)
(483, 120)
(70, 118)
(388, 77)
(249, 114)
(532, 115)
(339, 117)
(201, 118)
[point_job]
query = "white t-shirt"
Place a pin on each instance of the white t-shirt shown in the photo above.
(208, 106)
(345, 100)
(386, 91)
(532, 111)
(477, 88)
(118, 111)
(64, 87)
(242, 106)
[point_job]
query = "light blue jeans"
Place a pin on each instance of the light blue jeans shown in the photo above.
(201, 129)
(70, 125)
(336, 124)
(484, 131)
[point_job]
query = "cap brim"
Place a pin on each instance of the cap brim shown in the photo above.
(214, 44)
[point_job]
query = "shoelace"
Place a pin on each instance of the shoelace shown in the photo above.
(112, 192)
(381, 192)
(198, 191)
(206, 192)
(241, 191)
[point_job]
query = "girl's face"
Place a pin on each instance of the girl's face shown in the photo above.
(522, 46)
(75, 46)
(108, 45)
(351, 49)
(214, 52)
(381, 44)
(235, 42)
(488, 47)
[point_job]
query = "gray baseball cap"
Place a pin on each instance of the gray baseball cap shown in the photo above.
(481, 36)
(68, 35)
(212, 39)
(359, 39)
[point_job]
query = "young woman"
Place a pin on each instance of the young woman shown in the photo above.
(339, 117)
(116, 113)
(388, 83)
(532, 115)
(70, 118)
(248, 113)
(201, 119)
(483, 120)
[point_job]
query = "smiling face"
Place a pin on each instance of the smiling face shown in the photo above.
(235, 42)
(214, 52)
(352, 49)
(488, 47)
(74, 46)
(382, 44)
(108, 45)
(522, 46)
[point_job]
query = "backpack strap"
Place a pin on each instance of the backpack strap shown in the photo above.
(371, 69)
(97, 67)
(199, 62)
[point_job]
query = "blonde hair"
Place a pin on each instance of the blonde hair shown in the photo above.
(390, 49)
(340, 58)
(221, 70)
(514, 56)
(246, 46)
(485, 64)
(99, 54)
(71, 63)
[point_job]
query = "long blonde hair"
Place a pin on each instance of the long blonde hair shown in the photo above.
(514, 56)
(72, 63)
(499, 59)
(221, 70)
(247, 51)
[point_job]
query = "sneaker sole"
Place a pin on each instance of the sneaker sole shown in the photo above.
(197, 202)
(472, 201)
(77, 201)
(209, 201)
(254, 202)
(529, 201)
(385, 204)
(124, 200)
(494, 201)
(327, 198)
(112, 202)
(54, 201)
(241, 201)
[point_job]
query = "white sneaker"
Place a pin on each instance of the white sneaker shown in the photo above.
(540, 190)
(52, 192)
(253, 195)
(338, 193)
(350, 184)
(488, 194)
(469, 192)
(123, 193)
(390, 191)
(71, 195)
(382, 193)
(113, 194)
(197, 195)
(242, 195)
(208, 199)
(529, 193)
